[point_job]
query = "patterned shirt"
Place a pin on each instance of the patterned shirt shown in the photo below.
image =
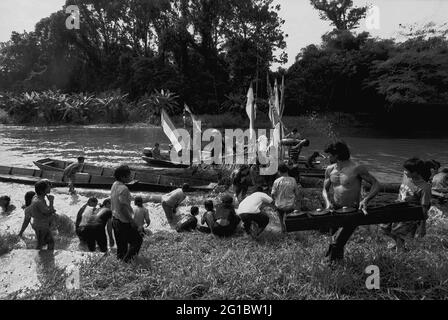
(416, 192)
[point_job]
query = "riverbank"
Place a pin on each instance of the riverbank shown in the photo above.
(275, 266)
(197, 266)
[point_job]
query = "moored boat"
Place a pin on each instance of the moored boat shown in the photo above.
(141, 175)
(82, 180)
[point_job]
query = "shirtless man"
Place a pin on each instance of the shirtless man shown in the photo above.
(345, 177)
(294, 152)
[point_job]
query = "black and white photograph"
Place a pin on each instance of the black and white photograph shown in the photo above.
(224, 155)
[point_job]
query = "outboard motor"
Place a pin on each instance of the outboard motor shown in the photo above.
(147, 152)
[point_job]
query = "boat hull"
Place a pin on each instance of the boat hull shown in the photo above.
(82, 180)
(143, 176)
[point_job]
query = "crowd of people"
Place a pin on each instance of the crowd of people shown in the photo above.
(126, 226)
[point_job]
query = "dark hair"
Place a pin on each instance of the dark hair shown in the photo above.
(259, 189)
(185, 187)
(306, 143)
(121, 172)
(156, 144)
(283, 168)
(194, 211)
(92, 199)
(81, 159)
(418, 166)
(315, 155)
(413, 165)
(294, 130)
(433, 164)
(338, 149)
(227, 199)
(138, 200)
(208, 204)
(29, 197)
(41, 186)
(445, 170)
(7, 200)
(105, 202)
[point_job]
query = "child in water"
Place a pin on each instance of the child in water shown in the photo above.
(26, 221)
(5, 205)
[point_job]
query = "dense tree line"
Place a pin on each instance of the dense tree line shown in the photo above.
(200, 49)
(356, 73)
(208, 51)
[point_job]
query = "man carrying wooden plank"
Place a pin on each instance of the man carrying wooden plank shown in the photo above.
(346, 178)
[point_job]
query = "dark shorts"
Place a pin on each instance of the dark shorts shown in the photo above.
(128, 239)
(261, 219)
(94, 235)
(44, 237)
(226, 231)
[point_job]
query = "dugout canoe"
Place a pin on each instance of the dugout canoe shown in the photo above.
(142, 175)
(31, 176)
(396, 212)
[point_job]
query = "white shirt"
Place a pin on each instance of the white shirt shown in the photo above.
(253, 203)
(174, 198)
(86, 215)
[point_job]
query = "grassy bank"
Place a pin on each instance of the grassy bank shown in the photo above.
(276, 266)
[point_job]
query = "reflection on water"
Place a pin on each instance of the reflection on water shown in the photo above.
(110, 146)
(106, 146)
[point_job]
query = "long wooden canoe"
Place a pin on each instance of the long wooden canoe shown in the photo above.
(396, 212)
(141, 175)
(82, 180)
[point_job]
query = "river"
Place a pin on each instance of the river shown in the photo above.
(112, 145)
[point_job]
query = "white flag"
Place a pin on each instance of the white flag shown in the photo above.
(169, 130)
(250, 110)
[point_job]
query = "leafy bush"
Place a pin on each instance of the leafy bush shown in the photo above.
(151, 106)
(114, 106)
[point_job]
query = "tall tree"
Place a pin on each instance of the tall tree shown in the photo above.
(342, 14)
